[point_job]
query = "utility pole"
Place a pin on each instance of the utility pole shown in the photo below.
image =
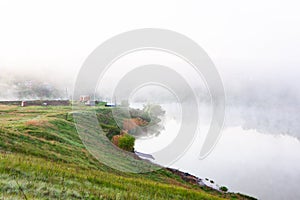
(67, 95)
(115, 101)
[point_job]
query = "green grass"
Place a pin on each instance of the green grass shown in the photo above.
(42, 157)
(39, 178)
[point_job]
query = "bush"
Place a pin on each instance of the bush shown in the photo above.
(126, 142)
(224, 189)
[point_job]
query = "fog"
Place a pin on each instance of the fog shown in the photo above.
(264, 102)
(267, 103)
(29, 84)
(255, 46)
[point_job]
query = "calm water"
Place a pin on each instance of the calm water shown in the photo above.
(247, 160)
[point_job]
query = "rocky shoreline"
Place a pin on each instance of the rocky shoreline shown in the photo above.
(206, 184)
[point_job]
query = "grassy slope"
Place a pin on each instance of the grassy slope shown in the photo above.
(42, 157)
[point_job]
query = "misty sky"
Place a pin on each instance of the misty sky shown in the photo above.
(255, 44)
(249, 39)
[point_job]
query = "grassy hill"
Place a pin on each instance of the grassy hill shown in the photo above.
(42, 157)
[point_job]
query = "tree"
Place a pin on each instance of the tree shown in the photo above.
(126, 142)
(154, 110)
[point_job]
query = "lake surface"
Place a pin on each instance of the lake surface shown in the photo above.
(252, 161)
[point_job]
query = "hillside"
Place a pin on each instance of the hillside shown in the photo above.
(42, 157)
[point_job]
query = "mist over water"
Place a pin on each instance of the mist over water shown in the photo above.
(258, 152)
(264, 166)
(254, 161)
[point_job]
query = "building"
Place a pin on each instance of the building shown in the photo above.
(85, 98)
(91, 103)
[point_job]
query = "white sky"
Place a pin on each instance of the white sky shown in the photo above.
(56, 35)
(251, 42)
